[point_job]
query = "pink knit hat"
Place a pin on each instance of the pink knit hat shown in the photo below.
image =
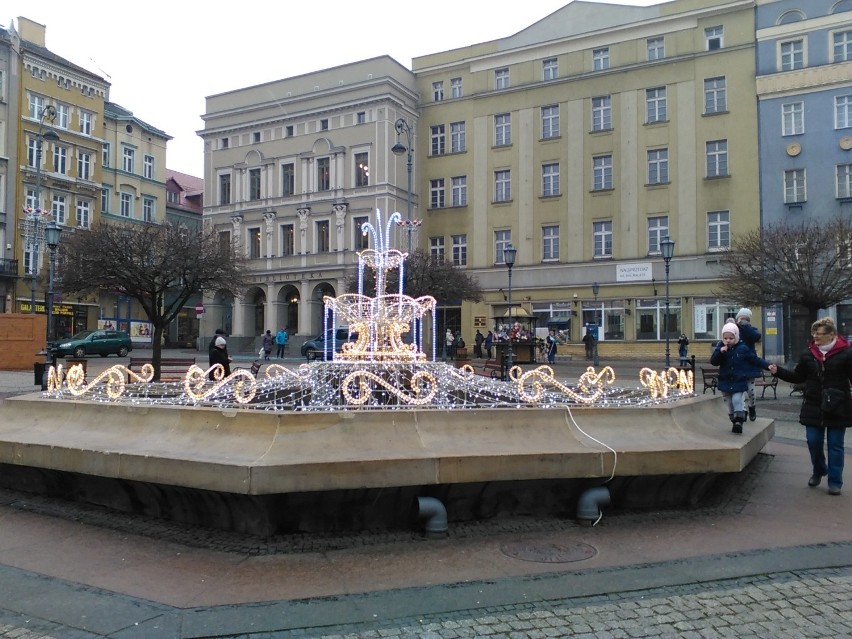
(732, 328)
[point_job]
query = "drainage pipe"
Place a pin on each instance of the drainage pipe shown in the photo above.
(588, 506)
(434, 512)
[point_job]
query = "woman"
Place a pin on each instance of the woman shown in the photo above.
(825, 369)
(683, 349)
(219, 355)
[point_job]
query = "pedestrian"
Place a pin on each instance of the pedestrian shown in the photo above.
(478, 339)
(449, 338)
(736, 361)
(281, 342)
(489, 344)
(683, 349)
(589, 341)
(220, 332)
(551, 346)
(825, 368)
(219, 355)
(751, 336)
(268, 342)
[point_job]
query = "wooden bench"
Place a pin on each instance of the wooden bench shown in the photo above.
(767, 381)
(710, 378)
(491, 368)
(172, 369)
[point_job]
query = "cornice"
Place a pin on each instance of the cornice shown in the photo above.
(804, 80)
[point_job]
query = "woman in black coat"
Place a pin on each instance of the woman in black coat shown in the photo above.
(219, 355)
(825, 369)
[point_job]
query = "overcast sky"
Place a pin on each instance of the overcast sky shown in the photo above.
(164, 58)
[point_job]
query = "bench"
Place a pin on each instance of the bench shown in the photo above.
(172, 369)
(491, 368)
(763, 382)
(710, 378)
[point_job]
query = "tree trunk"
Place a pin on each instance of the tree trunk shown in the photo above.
(157, 348)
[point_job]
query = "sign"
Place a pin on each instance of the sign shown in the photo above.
(636, 272)
(199, 309)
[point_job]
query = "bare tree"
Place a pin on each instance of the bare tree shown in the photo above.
(161, 266)
(807, 264)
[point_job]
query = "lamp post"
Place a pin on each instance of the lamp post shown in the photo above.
(509, 255)
(398, 149)
(667, 249)
(34, 217)
(596, 288)
(52, 234)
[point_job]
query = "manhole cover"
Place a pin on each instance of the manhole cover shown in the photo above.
(548, 553)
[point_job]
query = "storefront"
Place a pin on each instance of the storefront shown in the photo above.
(68, 319)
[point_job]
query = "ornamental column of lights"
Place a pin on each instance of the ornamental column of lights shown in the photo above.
(509, 255)
(398, 149)
(52, 235)
(596, 288)
(667, 250)
(34, 217)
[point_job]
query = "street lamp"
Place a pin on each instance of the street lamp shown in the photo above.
(667, 249)
(398, 149)
(509, 255)
(34, 216)
(52, 233)
(596, 288)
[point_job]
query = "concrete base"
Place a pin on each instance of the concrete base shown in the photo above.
(264, 472)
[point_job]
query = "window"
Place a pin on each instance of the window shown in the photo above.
(32, 152)
(549, 69)
(323, 174)
(125, 205)
(225, 188)
(323, 245)
(63, 116)
(83, 208)
(31, 200)
(288, 179)
(602, 237)
(148, 166)
(253, 242)
(502, 241)
(456, 87)
(502, 186)
(288, 131)
(31, 261)
(324, 124)
(601, 172)
(361, 240)
(717, 158)
(148, 209)
(459, 250)
(655, 105)
(128, 156)
(550, 121)
(59, 209)
(60, 160)
(658, 229)
(502, 129)
(436, 193)
(85, 122)
(842, 111)
(658, 166)
(844, 180)
(105, 155)
(460, 190)
(254, 184)
(223, 143)
(362, 169)
(656, 48)
(37, 104)
(501, 79)
(792, 55)
(173, 197)
(794, 186)
(457, 137)
(436, 248)
(255, 137)
(602, 113)
(600, 59)
(438, 91)
(84, 166)
(549, 243)
(842, 46)
(715, 95)
(225, 241)
(713, 38)
(793, 118)
(360, 117)
(288, 240)
(438, 140)
(718, 230)
(550, 179)
(105, 197)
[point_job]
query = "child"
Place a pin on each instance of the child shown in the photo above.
(736, 362)
(751, 336)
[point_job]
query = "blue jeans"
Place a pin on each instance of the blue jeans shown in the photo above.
(735, 402)
(816, 439)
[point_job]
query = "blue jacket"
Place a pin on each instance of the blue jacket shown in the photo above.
(750, 336)
(736, 366)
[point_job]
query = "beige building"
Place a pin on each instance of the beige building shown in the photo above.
(583, 141)
(292, 169)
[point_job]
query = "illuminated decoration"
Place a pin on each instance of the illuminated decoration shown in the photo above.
(380, 370)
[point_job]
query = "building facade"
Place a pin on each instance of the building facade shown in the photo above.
(804, 90)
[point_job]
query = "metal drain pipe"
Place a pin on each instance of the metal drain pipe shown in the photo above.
(434, 512)
(588, 506)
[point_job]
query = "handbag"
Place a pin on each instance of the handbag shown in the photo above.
(833, 400)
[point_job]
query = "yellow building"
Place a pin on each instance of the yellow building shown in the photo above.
(583, 141)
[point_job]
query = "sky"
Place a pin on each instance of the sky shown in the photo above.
(164, 58)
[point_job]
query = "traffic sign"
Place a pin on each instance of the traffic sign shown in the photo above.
(199, 309)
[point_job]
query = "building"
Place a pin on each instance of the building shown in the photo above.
(292, 169)
(9, 79)
(804, 90)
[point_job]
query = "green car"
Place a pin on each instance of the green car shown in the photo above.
(100, 342)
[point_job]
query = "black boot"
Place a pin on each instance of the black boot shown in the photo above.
(752, 413)
(739, 418)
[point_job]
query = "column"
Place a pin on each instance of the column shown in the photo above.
(269, 219)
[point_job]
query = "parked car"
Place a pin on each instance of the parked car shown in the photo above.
(100, 342)
(315, 348)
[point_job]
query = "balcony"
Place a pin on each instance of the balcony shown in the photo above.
(8, 268)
